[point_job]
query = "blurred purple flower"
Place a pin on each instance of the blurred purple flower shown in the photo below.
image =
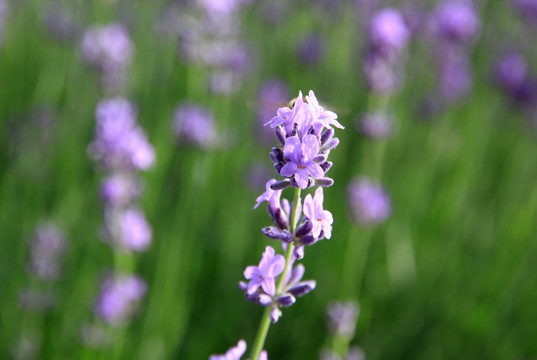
(119, 142)
(195, 125)
(512, 75)
(376, 125)
(456, 21)
(388, 34)
(107, 47)
(46, 248)
(119, 189)
(134, 232)
(311, 49)
(383, 77)
(118, 298)
(263, 275)
(321, 219)
(512, 70)
(59, 22)
(342, 317)
(368, 202)
(456, 75)
(528, 8)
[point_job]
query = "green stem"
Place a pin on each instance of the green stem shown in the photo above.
(259, 341)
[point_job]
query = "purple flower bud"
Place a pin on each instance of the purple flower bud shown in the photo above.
(275, 314)
(264, 300)
(286, 236)
(286, 207)
(324, 182)
(368, 202)
(326, 166)
(299, 252)
(272, 232)
(319, 158)
(304, 229)
(280, 185)
(279, 217)
(194, 124)
(330, 144)
(280, 134)
(326, 136)
(302, 288)
(308, 239)
(286, 300)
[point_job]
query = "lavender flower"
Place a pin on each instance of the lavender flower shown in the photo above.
(119, 143)
(59, 22)
(119, 189)
(133, 231)
(342, 317)
(528, 8)
(263, 275)
(368, 202)
(321, 219)
(107, 47)
(195, 125)
(118, 298)
(456, 76)
(376, 125)
(456, 21)
(512, 70)
(46, 249)
(388, 34)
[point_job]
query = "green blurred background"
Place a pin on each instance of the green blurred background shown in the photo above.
(448, 275)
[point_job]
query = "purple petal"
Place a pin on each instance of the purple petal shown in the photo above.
(311, 146)
(288, 169)
(268, 286)
(309, 208)
(301, 178)
(315, 170)
(293, 148)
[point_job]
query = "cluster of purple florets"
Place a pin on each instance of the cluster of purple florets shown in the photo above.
(388, 36)
(454, 25)
(121, 149)
(306, 135)
(209, 34)
(109, 50)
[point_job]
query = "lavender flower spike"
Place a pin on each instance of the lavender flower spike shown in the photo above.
(321, 219)
(300, 156)
(263, 275)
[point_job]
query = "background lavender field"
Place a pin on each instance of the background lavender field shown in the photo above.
(448, 274)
